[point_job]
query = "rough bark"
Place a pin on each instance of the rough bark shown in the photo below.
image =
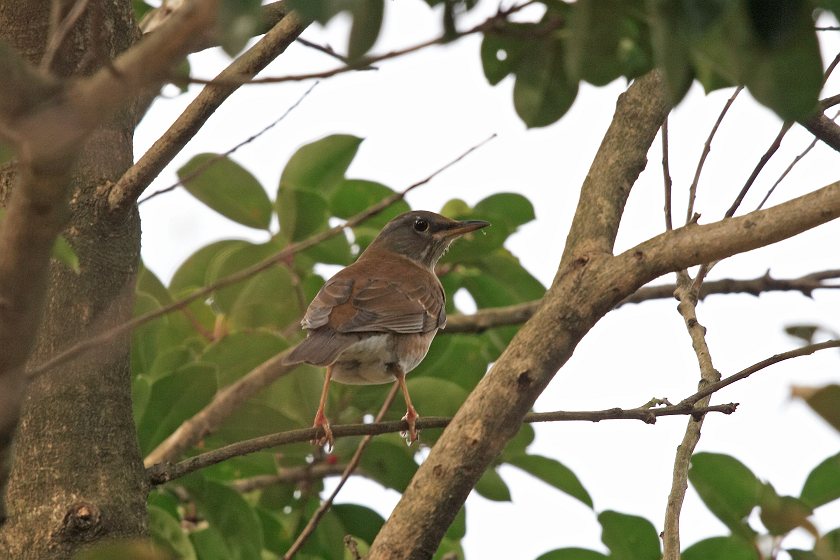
(76, 471)
(61, 493)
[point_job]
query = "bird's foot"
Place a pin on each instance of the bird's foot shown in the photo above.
(412, 434)
(327, 437)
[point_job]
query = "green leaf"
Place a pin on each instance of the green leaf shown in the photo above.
(210, 544)
(572, 554)
(389, 462)
(798, 554)
(789, 53)
(367, 21)
(670, 38)
(802, 332)
(437, 397)
(173, 399)
(502, 50)
(228, 513)
(543, 92)
(238, 21)
(602, 36)
(728, 548)
(629, 537)
(320, 165)
(458, 529)
(301, 213)
(513, 208)
(63, 252)
(238, 353)
(167, 533)
(193, 272)
(825, 401)
(352, 196)
(783, 514)
(492, 487)
(234, 259)
(554, 473)
(823, 483)
(229, 189)
(728, 488)
(359, 521)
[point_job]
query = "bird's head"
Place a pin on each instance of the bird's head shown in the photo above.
(422, 236)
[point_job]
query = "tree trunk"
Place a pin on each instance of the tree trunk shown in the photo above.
(77, 474)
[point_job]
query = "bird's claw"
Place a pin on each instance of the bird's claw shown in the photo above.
(327, 437)
(412, 434)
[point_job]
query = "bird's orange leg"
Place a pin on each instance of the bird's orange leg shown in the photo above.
(320, 419)
(411, 415)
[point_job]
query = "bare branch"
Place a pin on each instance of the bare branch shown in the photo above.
(686, 293)
(484, 319)
(746, 372)
(131, 185)
(161, 473)
(796, 160)
(666, 176)
(366, 62)
(206, 165)
(707, 147)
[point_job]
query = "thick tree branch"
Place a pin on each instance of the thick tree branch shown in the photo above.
(578, 297)
(825, 129)
(48, 137)
(131, 185)
(588, 284)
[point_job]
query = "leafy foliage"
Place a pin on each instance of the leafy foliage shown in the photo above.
(181, 360)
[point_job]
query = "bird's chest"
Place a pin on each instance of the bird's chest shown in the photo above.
(376, 358)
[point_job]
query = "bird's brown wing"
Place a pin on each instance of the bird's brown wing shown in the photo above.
(410, 304)
(357, 301)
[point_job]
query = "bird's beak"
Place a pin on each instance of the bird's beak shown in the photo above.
(460, 228)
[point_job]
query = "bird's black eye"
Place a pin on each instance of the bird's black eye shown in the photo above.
(421, 225)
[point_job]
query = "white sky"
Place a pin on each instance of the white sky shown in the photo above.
(421, 111)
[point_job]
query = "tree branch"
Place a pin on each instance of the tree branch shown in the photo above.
(48, 137)
(484, 319)
(124, 193)
(582, 292)
(163, 472)
(686, 293)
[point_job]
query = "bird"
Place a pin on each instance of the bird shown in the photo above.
(374, 320)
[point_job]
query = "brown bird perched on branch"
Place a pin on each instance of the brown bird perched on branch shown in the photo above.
(374, 320)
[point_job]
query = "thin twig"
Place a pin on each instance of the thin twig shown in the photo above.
(345, 476)
(207, 164)
(517, 314)
(364, 62)
(161, 473)
(60, 35)
(124, 193)
(666, 176)
(328, 50)
(746, 372)
(796, 160)
(243, 274)
(707, 147)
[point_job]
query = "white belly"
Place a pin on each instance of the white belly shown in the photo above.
(369, 361)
